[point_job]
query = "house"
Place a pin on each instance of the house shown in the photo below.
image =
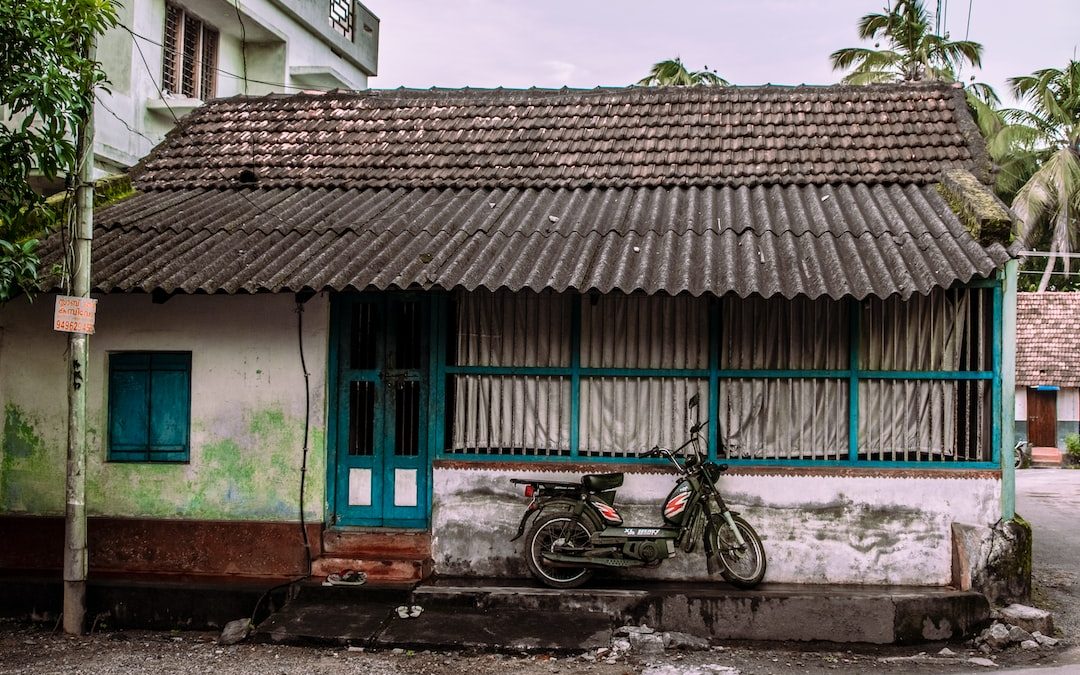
(169, 56)
(1047, 368)
(349, 319)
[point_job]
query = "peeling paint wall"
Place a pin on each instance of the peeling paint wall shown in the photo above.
(816, 529)
(247, 408)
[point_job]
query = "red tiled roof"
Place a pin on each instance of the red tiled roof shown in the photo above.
(1048, 339)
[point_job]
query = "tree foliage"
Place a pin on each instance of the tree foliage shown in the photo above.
(914, 53)
(46, 89)
(673, 72)
(1047, 136)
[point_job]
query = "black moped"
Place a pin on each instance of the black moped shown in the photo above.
(577, 530)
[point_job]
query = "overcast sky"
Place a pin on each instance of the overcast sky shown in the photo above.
(586, 43)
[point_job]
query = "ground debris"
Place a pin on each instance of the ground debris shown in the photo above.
(234, 632)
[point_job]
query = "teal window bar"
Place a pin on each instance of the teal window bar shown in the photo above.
(713, 377)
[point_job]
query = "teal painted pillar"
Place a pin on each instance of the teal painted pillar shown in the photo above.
(1008, 391)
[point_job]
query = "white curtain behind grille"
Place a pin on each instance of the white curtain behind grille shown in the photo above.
(623, 416)
(513, 414)
(902, 419)
(783, 418)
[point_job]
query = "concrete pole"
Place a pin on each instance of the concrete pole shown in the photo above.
(1008, 390)
(75, 553)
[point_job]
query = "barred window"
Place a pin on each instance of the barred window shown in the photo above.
(189, 59)
(608, 376)
(341, 17)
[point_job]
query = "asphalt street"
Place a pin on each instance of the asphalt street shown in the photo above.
(1050, 500)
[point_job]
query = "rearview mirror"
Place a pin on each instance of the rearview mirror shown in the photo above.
(693, 402)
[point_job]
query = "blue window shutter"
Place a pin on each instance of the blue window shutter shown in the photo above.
(149, 406)
(128, 421)
(170, 407)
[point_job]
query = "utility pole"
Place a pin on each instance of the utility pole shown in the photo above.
(75, 553)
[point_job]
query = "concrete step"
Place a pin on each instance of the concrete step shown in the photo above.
(380, 544)
(1042, 456)
(377, 570)
(518, 615)
(882, 615)
(367, 616)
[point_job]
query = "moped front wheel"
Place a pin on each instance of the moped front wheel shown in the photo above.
(558, 533)
(740, 565)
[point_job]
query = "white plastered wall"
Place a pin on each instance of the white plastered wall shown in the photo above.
(873, 529)
(247, 408)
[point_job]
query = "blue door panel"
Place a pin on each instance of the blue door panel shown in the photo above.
(380, 446)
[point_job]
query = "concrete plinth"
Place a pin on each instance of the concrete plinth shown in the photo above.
(469, 613)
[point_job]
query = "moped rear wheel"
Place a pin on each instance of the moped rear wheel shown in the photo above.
(557, 533)
(741, 566)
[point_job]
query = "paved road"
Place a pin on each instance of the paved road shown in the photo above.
(1050, 500)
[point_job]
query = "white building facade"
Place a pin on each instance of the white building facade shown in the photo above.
(169, 56)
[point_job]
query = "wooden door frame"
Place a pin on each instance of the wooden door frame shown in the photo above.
(1048, 398)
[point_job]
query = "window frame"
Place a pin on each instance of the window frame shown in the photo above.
(148, 362)
(343, 25)
(853, 374)
(172, 66)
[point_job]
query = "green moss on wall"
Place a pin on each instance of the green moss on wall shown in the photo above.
(31, 479)
(252, 473)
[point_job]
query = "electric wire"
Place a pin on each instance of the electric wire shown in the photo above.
(307, 426)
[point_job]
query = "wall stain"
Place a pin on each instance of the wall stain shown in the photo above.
(31, 473)
(251, 473)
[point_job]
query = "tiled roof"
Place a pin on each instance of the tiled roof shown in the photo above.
(1048, 339)
(637, 137)
(835, 191)
(809, 240)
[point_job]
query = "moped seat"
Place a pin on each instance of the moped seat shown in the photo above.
(600, 482)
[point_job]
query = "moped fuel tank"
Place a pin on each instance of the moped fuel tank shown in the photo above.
(676, 503)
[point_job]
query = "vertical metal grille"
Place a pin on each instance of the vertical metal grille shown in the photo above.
(191, 51)
(408, 345)
(921, 420)
(189, 55)
(170, 44)
(515, 415)
(407, 419)
(512, 329)
(362, 348)
(625, 416)
(783, 419)
(341, 17)
(636, 331)
(784, 376)
(781, 334)
(208, 64)
(362, 418)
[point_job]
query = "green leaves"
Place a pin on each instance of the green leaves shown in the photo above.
(46, 89)
(18, 267)
(914, 52)
(674, 73)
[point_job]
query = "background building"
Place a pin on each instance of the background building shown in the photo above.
(166, 58)
(1047, 369)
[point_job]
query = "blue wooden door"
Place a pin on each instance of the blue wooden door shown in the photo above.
(380, 470)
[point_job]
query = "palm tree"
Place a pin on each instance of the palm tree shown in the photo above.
(674, 72)
(1049, 202)
(913, 54)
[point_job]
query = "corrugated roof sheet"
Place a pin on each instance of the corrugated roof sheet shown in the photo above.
(636, 137)
(1048, 339)
(811, 240)
(819, 191)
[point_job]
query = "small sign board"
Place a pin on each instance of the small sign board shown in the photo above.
(74, 315)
